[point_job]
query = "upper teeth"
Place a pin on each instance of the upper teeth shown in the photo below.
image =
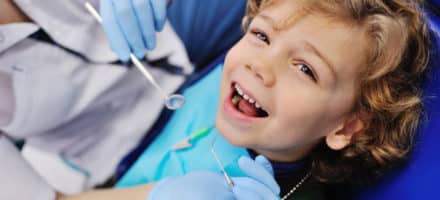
(246, 97)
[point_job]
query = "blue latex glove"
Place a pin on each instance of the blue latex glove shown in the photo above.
(131, 25)
(259, 183)
(201, 185)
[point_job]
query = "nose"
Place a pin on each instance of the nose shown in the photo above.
(263, 71)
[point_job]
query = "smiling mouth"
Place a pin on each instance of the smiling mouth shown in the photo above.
(246, 104)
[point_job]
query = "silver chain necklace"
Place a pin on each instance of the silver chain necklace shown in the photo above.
(297, 186)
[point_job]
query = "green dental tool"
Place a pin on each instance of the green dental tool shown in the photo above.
(186, 142)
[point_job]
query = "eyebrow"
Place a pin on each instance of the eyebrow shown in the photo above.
(268, 20)
(320, 55)
(308, 45)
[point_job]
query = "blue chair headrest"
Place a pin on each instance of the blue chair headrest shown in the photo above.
(435, 3)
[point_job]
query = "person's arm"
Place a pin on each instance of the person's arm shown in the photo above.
(131, 193)
(10, 13)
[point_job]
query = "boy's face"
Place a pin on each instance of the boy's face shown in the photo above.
(303, 78)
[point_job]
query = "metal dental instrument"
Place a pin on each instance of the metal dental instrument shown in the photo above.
(172, 102)
(222, 168)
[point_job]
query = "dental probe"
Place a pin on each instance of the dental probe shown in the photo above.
(222, 168)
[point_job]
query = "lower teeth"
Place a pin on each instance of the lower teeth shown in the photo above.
(236, 99)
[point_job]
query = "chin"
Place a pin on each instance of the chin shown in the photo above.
(230, 134)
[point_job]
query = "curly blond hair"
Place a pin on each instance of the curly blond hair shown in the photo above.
(390, 92)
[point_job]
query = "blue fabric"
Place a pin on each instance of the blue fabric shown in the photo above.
(159, 161)
(283, 170)
(419, 179)
(435, 3)
(164, 117)
(207, 28)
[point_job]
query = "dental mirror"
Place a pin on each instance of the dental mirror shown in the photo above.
(173, 101)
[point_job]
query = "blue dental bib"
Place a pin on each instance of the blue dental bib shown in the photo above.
(159, 160)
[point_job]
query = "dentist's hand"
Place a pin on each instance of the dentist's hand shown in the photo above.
(131, 25)
(258, 184)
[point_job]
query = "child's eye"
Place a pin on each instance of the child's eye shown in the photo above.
(261, 36)
(306, 69)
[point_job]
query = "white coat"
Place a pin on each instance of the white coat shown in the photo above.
(71, 99)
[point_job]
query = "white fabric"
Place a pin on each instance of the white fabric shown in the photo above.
(7, 100)
(63, 178)
(87, 111)
(18, 181)
(70, 25)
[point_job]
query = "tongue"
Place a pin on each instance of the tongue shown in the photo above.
(247, 108)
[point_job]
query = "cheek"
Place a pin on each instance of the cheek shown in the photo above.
(304, 112)
(237, 56)
(240, 52)
(231, 61)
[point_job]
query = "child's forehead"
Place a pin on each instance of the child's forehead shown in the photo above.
(288, 12)
(281, 14)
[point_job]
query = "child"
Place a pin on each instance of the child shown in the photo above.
(328, 91)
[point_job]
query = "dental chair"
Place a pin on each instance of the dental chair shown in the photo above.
(215, 27)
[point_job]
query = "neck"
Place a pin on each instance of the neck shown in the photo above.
(287, 155)
(288, 174)
(10, 13)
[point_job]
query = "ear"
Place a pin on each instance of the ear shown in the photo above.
(342, 137)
